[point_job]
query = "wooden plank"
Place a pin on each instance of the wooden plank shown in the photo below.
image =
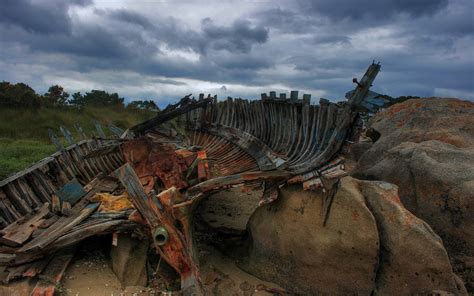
(55, 204)
(18, 232)
(231, 180)
(185, 105)
(17, 200)
(6, 258)
(26, 270)
(38, 187)
(130, 181)
(71, 192)
(10, 211)
(53, 273)
(66, 209)
(79, 212)
(25, 189)
(5, 212)
(85, 230)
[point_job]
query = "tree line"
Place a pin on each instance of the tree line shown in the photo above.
(21, 95)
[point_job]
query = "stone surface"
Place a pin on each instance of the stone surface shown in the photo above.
(292, 248)
(229, 210)
(370, 243)
(413, 259)
(426, 148)
(128, 260)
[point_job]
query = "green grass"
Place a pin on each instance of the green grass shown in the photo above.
(18, 154)
(24, 133)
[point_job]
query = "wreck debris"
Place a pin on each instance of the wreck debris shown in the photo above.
(154, 174)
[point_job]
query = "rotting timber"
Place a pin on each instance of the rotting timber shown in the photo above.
(165, 166)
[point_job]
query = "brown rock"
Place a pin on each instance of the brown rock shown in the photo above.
(426, 148)
(371, 243)
(292, 248)
(413, 259)
(129, 260)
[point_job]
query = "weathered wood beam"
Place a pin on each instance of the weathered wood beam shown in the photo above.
(231, 180)
(263, 155)
(185, 105)
(364, 85)
(140, 199)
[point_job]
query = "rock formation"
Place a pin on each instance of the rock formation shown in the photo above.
(426, 148)
(370, 243)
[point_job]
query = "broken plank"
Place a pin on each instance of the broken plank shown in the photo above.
(26, 270)
(82, 232)
(18, 232)
(231, 180)
(66, 209)
(79, 213)
(53, 273)
(55, 204)
(6, 258)
(139, 198)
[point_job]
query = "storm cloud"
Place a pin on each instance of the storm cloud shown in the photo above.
(162, 50)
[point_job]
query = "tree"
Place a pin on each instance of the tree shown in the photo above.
(145, 105)
(18, 95)
(56, 96)
(96, 98)
(77, 99)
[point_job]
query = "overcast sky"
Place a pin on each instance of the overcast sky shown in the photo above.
(162, 50)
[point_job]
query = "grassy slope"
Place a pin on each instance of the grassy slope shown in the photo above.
(24, 133)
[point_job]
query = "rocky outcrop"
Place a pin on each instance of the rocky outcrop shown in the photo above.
(128, 260)
(426, 148)
(370, 243)
(412, 257)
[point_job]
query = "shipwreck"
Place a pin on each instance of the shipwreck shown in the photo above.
(165, 166)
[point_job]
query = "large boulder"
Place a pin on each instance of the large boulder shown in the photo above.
(412, 255)
(360, 250)
(426, 148)
(128, 260)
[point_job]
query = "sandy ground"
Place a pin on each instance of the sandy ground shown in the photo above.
(90, 274)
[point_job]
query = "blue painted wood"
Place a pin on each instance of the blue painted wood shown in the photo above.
(71, 192)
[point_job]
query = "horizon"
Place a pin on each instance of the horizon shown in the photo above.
(146, 50)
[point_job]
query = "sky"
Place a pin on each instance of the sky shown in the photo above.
(163, 50)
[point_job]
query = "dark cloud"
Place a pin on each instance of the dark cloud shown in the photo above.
(368, 9)
(127, 16)
(237, 38)
(423, 45)
(46, 17)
